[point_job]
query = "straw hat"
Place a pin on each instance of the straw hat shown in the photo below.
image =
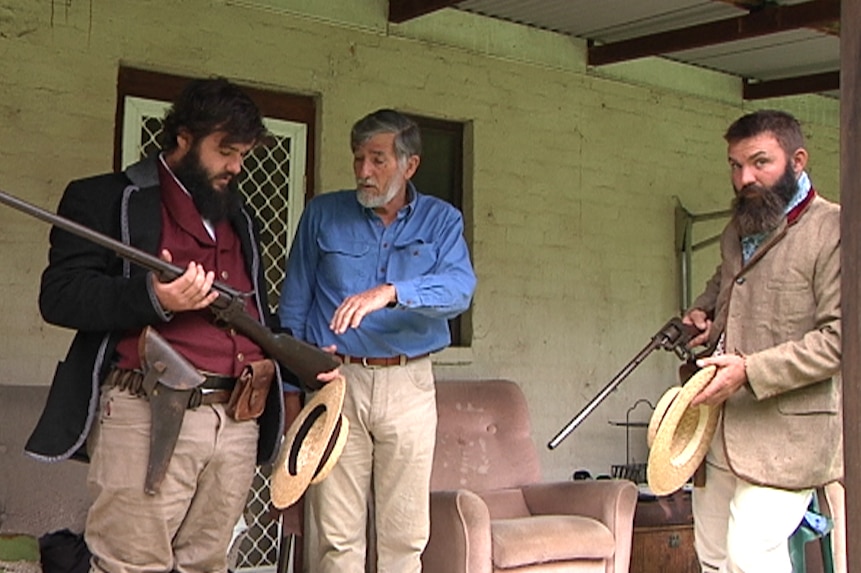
(679, 435)
(312, 446)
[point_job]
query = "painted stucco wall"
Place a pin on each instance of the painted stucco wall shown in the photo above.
(572, 173)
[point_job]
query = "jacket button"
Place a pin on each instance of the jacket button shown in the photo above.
(739, 281)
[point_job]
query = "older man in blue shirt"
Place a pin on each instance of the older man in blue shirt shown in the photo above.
(374, 275)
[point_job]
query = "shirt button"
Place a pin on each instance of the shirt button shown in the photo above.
(382, 270)
(240, 357)
(224, 275)
(385, 245)
(739, 281)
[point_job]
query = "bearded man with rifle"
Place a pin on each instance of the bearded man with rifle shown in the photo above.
(172, 407)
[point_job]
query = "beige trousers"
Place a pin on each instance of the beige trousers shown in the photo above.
(388, 455)
(740, 527)
(187, 526)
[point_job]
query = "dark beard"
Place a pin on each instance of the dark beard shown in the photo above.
(213, 205)
(759, 209)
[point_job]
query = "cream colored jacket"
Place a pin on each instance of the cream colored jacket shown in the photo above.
(782, 312)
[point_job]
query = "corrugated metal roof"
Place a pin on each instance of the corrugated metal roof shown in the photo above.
(788, 54)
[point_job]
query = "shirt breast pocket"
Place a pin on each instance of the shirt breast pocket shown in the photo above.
(411, 259)
(349, 262)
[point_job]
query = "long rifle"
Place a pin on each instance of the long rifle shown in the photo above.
(301, 358)
(672, 336)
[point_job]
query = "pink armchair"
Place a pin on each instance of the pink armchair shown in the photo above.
(489, 510)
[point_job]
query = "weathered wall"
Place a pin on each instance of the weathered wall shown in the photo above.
(572, 173)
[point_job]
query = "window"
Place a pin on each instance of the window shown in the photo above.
(440, 174)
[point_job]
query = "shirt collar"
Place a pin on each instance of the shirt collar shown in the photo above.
(802, 189)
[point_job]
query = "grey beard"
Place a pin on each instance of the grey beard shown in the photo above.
(370, 201)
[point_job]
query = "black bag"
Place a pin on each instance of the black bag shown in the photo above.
(64, 552)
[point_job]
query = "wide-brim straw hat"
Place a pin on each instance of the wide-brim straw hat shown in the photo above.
(312, 445)
(679, 434)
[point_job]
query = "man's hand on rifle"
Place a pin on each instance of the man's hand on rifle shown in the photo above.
(698, 318)
(331, 374)
(192, 290)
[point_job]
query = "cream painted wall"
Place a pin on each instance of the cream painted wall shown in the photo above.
(573, 173)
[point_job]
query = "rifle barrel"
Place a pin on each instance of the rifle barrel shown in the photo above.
(303, 359)
(166, 271)
(674, 335)
(602, 395)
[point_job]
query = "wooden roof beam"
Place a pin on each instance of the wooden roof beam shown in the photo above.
(402, 10)
(768, 20)
(826, 81)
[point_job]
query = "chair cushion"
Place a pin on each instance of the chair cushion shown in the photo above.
(542, 538)
(505, 503)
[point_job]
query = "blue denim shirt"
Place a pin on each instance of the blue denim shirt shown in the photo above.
(342, 248)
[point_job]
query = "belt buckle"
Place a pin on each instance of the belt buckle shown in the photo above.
(369, 366)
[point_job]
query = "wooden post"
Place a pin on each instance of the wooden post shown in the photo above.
(850, 245)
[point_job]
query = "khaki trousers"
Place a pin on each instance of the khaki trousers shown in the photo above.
(388, 455)
(740, 527)
(187, 526)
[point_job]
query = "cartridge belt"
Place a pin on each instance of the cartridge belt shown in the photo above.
(215, 389)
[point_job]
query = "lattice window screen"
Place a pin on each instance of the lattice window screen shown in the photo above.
(273, 186)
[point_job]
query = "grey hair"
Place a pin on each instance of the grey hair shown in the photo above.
(408, 139)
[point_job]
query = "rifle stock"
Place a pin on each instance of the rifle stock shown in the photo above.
(301, 358)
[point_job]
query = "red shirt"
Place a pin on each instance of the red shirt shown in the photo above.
(194, 333)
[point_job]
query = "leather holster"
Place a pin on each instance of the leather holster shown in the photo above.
(169, 381)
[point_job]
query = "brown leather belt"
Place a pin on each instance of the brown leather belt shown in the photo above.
(380, 362)
(215, 389)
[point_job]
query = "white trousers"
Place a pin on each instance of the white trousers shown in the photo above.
(740, 527)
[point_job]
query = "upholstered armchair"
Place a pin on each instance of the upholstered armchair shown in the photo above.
(490, 512)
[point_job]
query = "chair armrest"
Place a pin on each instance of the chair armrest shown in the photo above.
(612, 502)
(460, 534)
(608, 501)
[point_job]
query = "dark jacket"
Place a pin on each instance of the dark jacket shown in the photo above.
(92, 290)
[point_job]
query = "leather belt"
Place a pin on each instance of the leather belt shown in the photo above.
(218, 382)
(213, 397)
(215, 389)
(367, 362)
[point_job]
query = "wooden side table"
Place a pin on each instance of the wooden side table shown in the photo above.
(664, 548)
